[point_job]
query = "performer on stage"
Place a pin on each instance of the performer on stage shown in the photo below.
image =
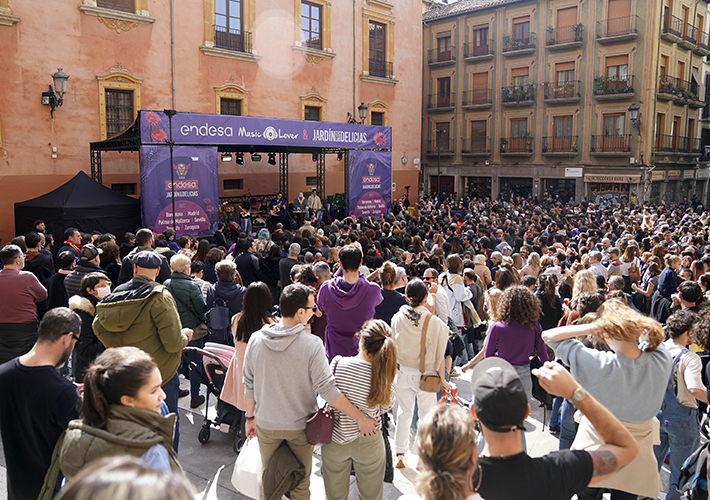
(315, 205)
(245, 217)
(277, 209)
(300, 205)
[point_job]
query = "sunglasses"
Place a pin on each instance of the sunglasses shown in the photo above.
(314, 308)
(74, 335)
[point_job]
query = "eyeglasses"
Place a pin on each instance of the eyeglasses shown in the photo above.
(74, 335)
(425, 278)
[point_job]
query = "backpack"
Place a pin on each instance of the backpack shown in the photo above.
(692, 483)
(218, 317)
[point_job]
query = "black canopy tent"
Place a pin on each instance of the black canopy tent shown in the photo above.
(80, 203)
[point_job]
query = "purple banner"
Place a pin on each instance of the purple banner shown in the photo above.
(194, 173)
(369, 183)
(195, 128)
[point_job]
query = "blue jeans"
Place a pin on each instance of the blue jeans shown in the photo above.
(171, 389)
(679, 433)
(197, 359)
(555, 415)
(568, 427)
(246, 225)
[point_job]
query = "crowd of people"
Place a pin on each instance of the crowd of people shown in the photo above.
(375, 317)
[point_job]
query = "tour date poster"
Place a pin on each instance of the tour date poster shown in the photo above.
(369, 183)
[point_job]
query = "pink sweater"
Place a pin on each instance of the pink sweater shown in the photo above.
(19, 293)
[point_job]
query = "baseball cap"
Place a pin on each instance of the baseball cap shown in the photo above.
(147, 260)
(499, 398)
(89, 252)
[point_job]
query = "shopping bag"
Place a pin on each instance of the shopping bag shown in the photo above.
(246, 477)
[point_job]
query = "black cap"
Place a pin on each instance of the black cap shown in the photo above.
(147, 259)
(499, 398)
(90, 252)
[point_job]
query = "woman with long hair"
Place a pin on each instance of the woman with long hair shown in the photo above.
(366, 380)
(270, 268)
(203, 248)
(629, 259)
(256, 312)
(110, 261)
(550, 302)
(448, 456)
(649, 284)
(506, 276)
(630, 380)
(532, 266)
(667, 286)
(122, 406)
(481, 269)
(408, 325)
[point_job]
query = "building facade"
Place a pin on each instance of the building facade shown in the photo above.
(602, 100)
(293, 59)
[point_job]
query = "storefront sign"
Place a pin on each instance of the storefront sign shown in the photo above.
(688, 174)
(658, 176)
(574, 172)
(703, 174)
(613, 179)
(370, 181)
(674, 175)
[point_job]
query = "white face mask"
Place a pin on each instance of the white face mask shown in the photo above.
(103, 292)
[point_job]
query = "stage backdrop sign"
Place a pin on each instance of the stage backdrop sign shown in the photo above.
(194, 171)
(369, 183)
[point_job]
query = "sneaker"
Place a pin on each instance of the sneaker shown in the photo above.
(400, 462)
(183, 392)
(196, 401)
(455, 372)
(555, 431)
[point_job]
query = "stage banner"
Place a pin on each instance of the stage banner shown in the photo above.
(206, 129)
(369, 183)
(194, 171)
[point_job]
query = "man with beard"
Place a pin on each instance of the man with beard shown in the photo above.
(38, 404)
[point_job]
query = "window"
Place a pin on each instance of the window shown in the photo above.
(660, 129)
(565, 73)
(521, 30)
(228, 31)
(617, 67)
(562, 139)
(614, 125)
(123, 5)
(443, 45)
(480, 40)
(479, 136)
(442, 138)
(232, 184)
(563, 126)
(681, 70)
(520, 76)
(127, 188)
(312, 113)
(377, 118)
(443, 92)
(664, 66)
(378, 64)
(479, 84)
(311, 25)
(519, 128)
(311, 181)
(119, 111)
(230, 106)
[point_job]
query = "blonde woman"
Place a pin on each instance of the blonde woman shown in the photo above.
(630, 380)
(452, 281)
(491, 303)
(481, 269)
(532, 266)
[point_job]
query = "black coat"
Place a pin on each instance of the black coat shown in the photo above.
(89, 346)
(249, 269)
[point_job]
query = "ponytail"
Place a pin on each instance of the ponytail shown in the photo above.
(94, 405)
(379, 344)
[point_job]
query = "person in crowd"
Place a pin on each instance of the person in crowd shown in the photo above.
(40, 263)
(551, 305)
(121, 414)
(20, 293)
(127, 245)
(143, 314)
(203, 248)
(123, 477)
(269, 266)
(144, 243)
(532, 265)
(88, 263)
(438, 294)
(366, 380)
(689, 297)
(285, 264)
(281, 388)
(37, 405)
(412, 323)
(595, 265)
(500, 405)
(680, 432)
(637, 368)
(392, 300)
(227, 292)
(191, 308)
(57, 292)
(109, 260)
(213, 257)
(482, 270)
(649, 284)
(169, 236)
(248, 263)
(218, 237)
(94, 288)
(348, 300)
(629, 259)
(72, 240)
(458, 292)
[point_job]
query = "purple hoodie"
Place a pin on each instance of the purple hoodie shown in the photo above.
(347, 308)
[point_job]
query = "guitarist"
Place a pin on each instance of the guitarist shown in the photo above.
(277, 209)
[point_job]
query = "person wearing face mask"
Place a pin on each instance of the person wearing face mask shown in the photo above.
(94, 287)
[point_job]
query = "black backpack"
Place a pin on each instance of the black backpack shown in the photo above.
(693, 475)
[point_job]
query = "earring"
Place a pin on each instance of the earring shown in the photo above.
(478, 473)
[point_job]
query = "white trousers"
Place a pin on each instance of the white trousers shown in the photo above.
(406, 389)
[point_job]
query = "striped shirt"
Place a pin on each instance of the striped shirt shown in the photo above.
(352, 376)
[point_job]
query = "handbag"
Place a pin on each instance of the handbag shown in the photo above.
(634, 274)
(246, 477)
(427, 383)
(200, 331)
(218, 316)
(319, 426)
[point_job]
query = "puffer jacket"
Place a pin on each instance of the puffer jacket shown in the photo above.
(129, 430)
(73, 280)
(143, 315)
(89, 346)
(188, 298)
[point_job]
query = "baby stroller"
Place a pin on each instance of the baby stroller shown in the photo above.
(216, 359)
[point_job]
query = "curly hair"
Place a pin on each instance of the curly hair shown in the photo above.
(519, 304)
(701, 329)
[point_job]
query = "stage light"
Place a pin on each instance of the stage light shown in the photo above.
(272, 158)
(240, 158)
(315, 157)
(226, 157)
(340, 156)
(255, 157)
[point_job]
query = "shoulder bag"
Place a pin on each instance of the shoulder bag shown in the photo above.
(427, 383)
(200, 330)
(319, 426)
(634, 272)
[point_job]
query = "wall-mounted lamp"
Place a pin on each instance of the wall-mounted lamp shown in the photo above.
(404, 159)
(60, 85)
(635, 117)
(362, 113)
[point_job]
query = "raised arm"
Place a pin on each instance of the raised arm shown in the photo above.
(567, 332)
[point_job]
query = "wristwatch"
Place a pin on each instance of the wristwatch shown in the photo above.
(578, 395)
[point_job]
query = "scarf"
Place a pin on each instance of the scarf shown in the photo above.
(67, 242)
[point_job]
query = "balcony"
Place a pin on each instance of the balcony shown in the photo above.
(380, 69)
(231, 39)
(438, 57)
(703, 46)
(442, 146)
(441, 102)
(619, 29)
(477, 99)
(674, 144)
(562, 93)
(680, 91)
(516, 146)
(476, 148)
(689, 38)
(474, 52)
(614, 89)
(518, 95)
(564, 38)
(560, 146)
(672, 29)
(519, 46)
(611, 145)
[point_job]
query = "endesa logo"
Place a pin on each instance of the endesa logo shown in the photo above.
(371, 179)
(187, 184)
